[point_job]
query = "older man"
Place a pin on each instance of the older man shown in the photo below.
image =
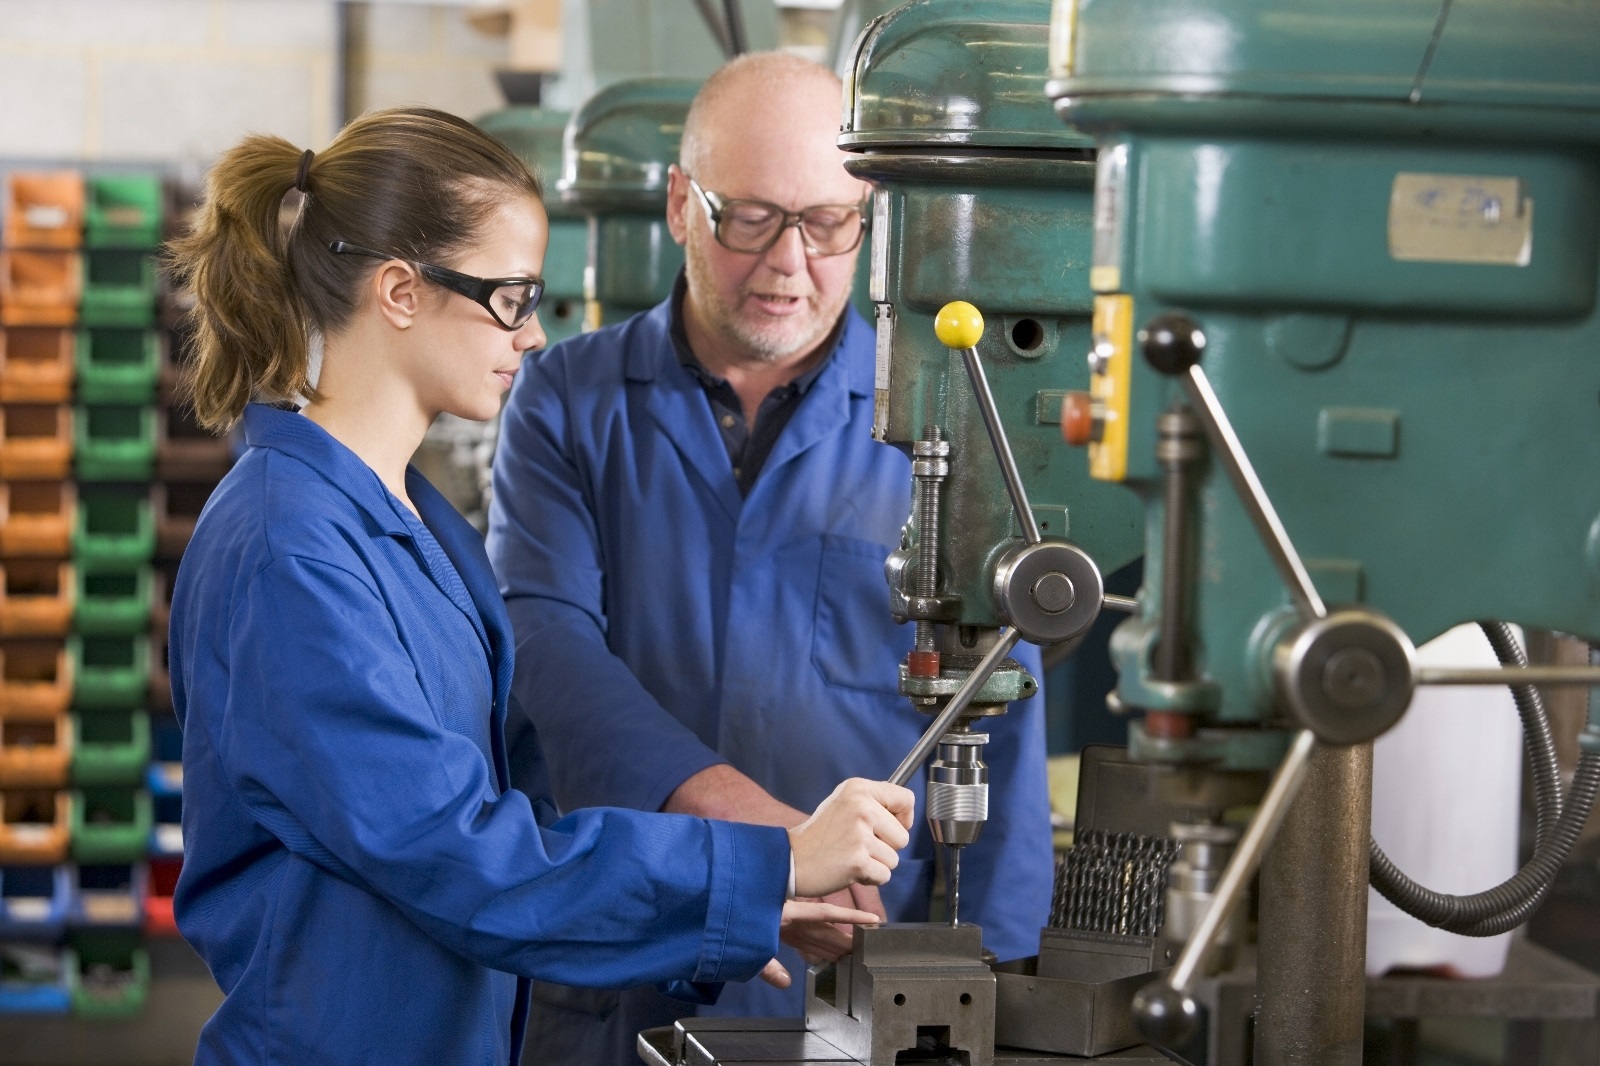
(690, 521)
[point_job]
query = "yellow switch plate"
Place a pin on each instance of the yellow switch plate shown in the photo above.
(1113, 329)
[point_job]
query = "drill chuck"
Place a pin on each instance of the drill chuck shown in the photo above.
(958, 789)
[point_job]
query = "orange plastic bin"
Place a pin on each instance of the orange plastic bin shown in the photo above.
(35, 827)
(40, 288)
(35, 441)
(35, 680)
(37, 518)
(36, 598)
(36, 364)
(35, 754)
(44, 209)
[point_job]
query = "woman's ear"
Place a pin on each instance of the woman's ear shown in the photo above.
(397, 290)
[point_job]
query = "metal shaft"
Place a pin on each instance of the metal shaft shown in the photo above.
(1508, 675)
(1002, 446)
(958, 703)
(1311, 962)
(1178, 448)
(1126, 604)
(1286, 782)
(930, 466)
(1225, 443)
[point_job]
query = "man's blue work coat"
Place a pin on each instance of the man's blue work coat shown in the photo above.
(664, 624)
(358, 875)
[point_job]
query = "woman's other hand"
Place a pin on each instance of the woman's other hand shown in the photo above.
(802, 914)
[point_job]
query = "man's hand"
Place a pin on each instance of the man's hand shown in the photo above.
(820, 942)
(852, 837)
(814, 914)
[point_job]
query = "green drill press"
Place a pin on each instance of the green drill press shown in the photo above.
(1345, 339)
(617, 148)
(981, 196)
(535, 134)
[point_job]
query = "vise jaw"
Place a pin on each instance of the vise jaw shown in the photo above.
(922, 988)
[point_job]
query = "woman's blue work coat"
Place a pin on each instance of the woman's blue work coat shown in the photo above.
(358, 876)
(670, 624)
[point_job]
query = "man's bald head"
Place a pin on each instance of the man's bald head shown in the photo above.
(755, 95)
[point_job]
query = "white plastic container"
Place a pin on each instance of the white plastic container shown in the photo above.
(1446, 791)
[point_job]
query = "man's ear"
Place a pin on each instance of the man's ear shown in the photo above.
(397, 291)
(677, 203)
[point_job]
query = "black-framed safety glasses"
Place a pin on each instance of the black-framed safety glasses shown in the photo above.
(753, 226)
(511, 302)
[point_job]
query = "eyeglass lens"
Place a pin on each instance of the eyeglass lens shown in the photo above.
(515, 304)
(753, 227)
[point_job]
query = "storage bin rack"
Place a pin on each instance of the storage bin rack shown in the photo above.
(90, 838)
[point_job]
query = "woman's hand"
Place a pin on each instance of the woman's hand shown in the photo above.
(829, 942)
(852, 837)
(799, 914)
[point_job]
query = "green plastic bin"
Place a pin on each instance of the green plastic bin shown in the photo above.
(110, 747)
(123, 211)
(109, 671)
(115, 442)
(114, 601)
(118, 365)
(112, 978)
(111, 824)
(119, 289)
(116, 527)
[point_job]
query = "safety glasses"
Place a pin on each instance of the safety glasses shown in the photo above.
(511, 302)
(753, 226)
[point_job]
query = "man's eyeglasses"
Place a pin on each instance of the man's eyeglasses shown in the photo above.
(510, 301)
(753, 226)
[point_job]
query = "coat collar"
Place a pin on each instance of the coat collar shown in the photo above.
(677, 400)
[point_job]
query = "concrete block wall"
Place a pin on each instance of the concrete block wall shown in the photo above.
(176, 81)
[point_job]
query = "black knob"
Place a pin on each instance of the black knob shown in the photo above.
(1172, 343)
(1164, 1016)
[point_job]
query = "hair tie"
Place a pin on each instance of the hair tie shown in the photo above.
(304, 173)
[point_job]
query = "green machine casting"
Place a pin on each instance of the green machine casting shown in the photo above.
(1345, 349)
(535, 134)
(616, 151)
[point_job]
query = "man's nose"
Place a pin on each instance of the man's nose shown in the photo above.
(788, 255)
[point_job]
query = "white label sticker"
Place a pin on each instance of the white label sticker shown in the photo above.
(1460, 218)
(1110, 190)
(878, 278)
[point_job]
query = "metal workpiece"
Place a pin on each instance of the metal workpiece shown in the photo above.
(1311, 953)
(1178, 448)
(956, 707)
(1347, 676)
(919, 988)
(958, 788)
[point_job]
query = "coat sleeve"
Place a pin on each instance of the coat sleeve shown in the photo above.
(605, 739)
(333, 747)
(1009, 874)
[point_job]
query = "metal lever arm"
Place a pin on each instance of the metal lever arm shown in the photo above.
(960, 326)
(1165, 1010)
(958, 703)
(1173, 345)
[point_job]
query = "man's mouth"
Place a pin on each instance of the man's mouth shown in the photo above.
(777, 303)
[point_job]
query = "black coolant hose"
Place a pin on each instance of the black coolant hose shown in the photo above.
(1558, 823)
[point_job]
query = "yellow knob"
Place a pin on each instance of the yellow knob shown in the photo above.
(959, 325)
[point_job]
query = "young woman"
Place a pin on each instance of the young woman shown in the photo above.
(358, 876)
